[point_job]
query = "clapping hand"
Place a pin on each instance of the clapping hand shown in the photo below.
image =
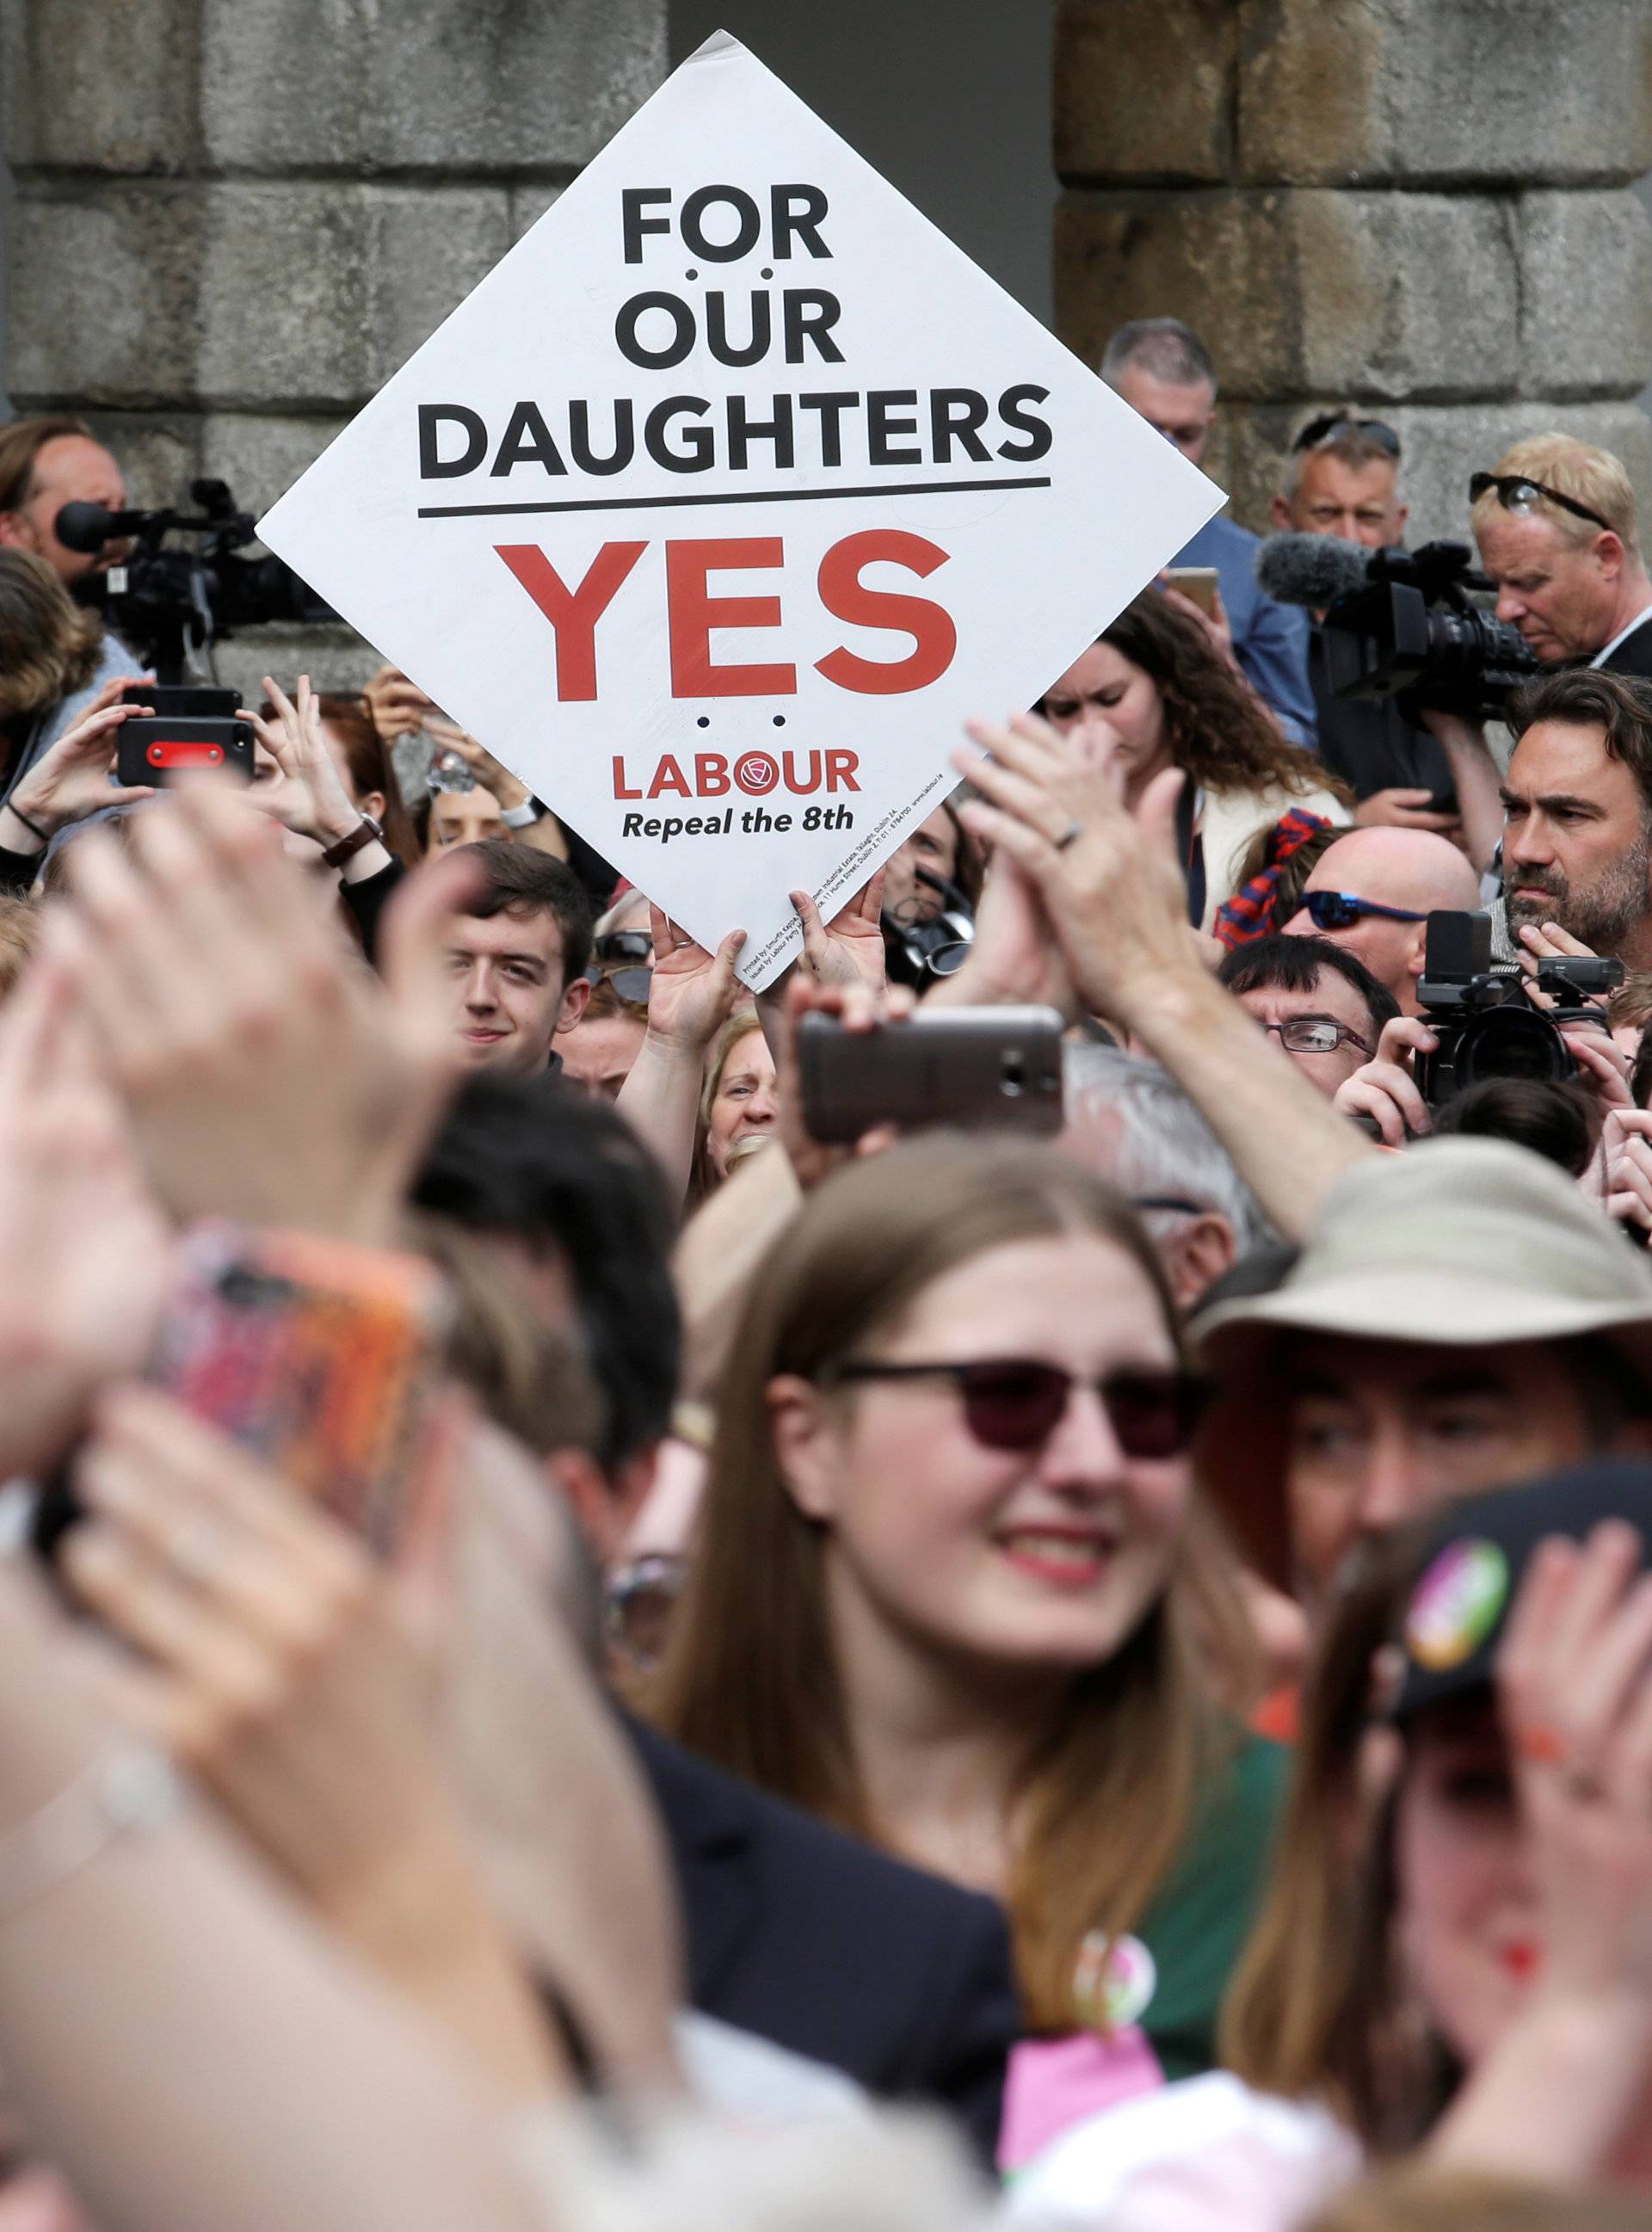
(267, 1074)
(1107, 877)
(82, 1242)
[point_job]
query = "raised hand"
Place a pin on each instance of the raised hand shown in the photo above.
(1384, 1089)
(1574, 1679)
(299, 1681)
(1108, 878)
(267, 1075)
(691, 993)
(74, 778)
(1014, 956)
(506, 788)
(859, 1008)
(309, 796)
(397, 706)
(849, 949)
(1619, 1176)
(82, 1242)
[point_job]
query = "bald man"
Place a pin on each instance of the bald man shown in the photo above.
(1408, 870)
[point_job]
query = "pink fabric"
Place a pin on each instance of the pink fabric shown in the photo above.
(1053, 2083)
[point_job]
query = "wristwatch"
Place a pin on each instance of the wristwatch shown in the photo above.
(523, 816)
(367, 832)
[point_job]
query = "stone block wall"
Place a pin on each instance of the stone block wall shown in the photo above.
(1423, 207)
(234, 219)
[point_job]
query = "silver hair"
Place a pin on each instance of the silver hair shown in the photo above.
(1161, 1145)
(1164, 348)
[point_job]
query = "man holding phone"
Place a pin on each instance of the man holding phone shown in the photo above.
(1163, 370)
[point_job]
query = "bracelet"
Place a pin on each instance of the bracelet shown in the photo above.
(33, 828)
(523, 816)
(129, 1788)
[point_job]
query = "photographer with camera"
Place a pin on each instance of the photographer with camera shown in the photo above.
(1341, 480)
(1555, 523)
(1318, 1001)
(46, 463)
(1400, 645)
(1556, 527)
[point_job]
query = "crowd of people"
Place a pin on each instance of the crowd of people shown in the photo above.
(582, 1652)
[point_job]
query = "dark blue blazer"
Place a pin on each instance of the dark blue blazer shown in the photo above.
(810, 1938)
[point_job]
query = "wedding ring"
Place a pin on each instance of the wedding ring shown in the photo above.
(1073, 830)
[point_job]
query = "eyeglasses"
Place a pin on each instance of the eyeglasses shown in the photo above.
(1016, 1404)
(1341, 910)
(1516, 493)
(1332, 423)
(1315, 1035)
(634, 950)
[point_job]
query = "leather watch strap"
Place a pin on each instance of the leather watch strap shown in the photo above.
(367, 832)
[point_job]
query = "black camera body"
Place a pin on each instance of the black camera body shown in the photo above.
(1486, 1025)
(1413, 633)
(170, 602)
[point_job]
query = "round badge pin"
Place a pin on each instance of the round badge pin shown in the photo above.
(1113, 1981)
(1456, 1605)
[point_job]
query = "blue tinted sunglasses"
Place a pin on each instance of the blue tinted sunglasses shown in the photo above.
(1341, 910)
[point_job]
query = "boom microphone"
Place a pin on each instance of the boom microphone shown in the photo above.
(1312, 569)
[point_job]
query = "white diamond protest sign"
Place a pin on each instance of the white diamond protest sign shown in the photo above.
(726, 497)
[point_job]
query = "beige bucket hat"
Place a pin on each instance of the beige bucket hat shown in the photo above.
(1456, 1242)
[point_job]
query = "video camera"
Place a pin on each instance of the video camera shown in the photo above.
(1401, 623)
(170, 603)
(1486, 1025)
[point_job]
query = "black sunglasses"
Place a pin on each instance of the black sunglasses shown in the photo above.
(632, 984)
(1341, 910)
(1016, 1404)
(1516, 493)
(624, 945)
(1333, 423)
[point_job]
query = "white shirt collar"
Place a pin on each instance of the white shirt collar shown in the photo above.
(1641, 618)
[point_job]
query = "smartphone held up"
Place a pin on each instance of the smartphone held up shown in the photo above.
(976, 1068)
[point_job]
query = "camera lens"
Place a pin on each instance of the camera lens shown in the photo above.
(1512, 1042)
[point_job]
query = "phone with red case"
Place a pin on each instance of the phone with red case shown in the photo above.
(320, 1357)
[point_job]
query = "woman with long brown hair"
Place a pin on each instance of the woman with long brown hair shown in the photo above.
(1152, 693)
(1454, 1959)
(48, 651)
(952, 1592)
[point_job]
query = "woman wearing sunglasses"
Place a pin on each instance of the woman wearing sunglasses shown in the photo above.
(1152, 693)
(952, 1592)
